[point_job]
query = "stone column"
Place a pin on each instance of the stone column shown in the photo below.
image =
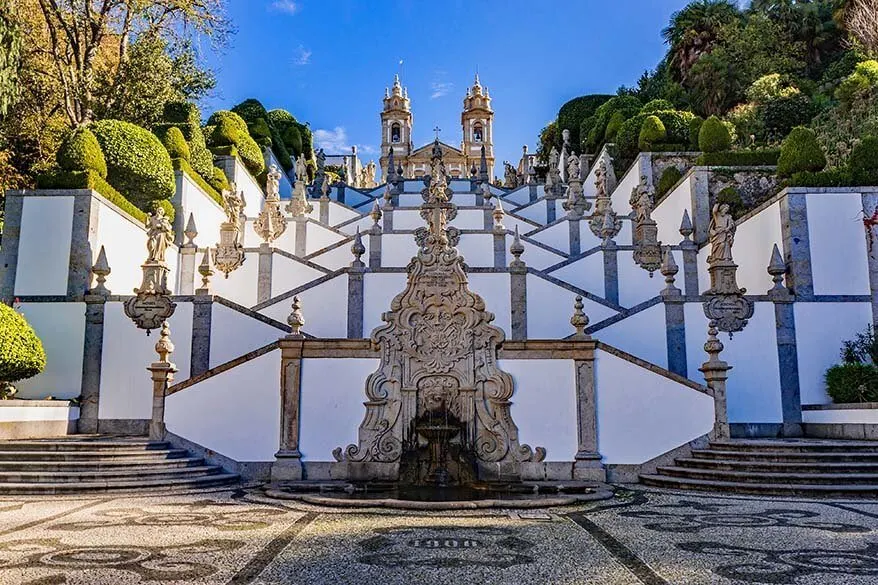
(324, 210)
(870, 211)
(355, 302)
(85, 229)
(162, 375)
(375, 247)
(301, 235)
(489, 218)
(587, 464)
(797, 244)
(9, 249)
(187, 270)
(716, 372)
(518, 290)
(202, 314)
(288, 459)
(532, 192)
(92, 356)
(387, 219)
(575, 246)
(263, 278)
(550, 209)
(611, 271)
(787, 350)
(499, 248)
(700, 203)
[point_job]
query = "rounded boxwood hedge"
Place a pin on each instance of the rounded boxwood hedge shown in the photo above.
(138, 165)
(676, 125)
(694, 130)
(616, 121)
(847, 383)
(597, 129)
(80, 151)
(670, 177)
(225, 128)
(175, 144)
(651, 132)
(714, 136)
(572, 113)
(187, 117)
(21, 351)
(658, 105)
(263, 130)
(800, 152)
(218, 180)
(863, 162)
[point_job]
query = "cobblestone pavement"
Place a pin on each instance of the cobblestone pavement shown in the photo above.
(239, 537)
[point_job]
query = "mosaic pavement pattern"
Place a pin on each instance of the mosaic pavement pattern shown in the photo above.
(238, 537)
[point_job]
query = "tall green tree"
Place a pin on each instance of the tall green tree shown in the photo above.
(694, 31)
(10, 56)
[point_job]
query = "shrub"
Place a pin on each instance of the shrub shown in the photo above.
(863, 348)
(651, 131)
(840, 177)
(307, 141)
(800, 152)
(175, 144)
(739, 158)
(187, 117)
(676, 125)
(656, 106)
(627, 105)
(21, 352)
(225, 128)
(571, 114)
(218, 180)
(667, 147)
(863, 79)
(714, 136)
(694, 129)
(293, 140)
(262, 130)
(747, 120)
(138, 166)
(770, 87)
(80, 151)
(853, 382)
(863, 162)
(616, 121)
(732, 198)
(670, 177)
(779, 116)
(90, 180)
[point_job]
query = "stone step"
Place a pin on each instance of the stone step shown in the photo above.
(90, 465)
(783, 456)
(769, 478)
(93, 455)
(7, 477)
(778, 466)
(144, 485)
(83, 445)
(761, 488)
(795, 445)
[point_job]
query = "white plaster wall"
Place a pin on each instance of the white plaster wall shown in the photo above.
(669, 213)
(534, 256)
(535, 211)
(287, 274)
(820, 330)
(839, 263)
(703, 274)
(240, 286)
(325, 307)
(236, 413)
(754, 382)
(318, 237)
(635, 284)
(641, 414)
(333, 392)
(842, 416)
(588, 240)
(586, 273)
(550, 307)
(44, 246)
(351, 197)
(544, 405)
(232, 334)
(124, 241)
(253, 195)
(126, 388)
(341, 256)
(378, 291)
(286, 241)
(494, 290)
(477, 249)
(642, 334)
(364, 224)
(556, 236)
(622, 194)
(397, 250)
(339, 213)
(207, 212)
(38, 413)
(511, 222)
(753, 242)
(61, 328)
(522, 195)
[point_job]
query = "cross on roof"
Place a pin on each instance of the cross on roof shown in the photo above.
(437, 130)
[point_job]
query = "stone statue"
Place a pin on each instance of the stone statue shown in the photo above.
(234, 204)
(159, 234)
(553, 158)
(572, 167)
(641, 201)
(601, 179)
(321, 160)
(510, 177)
(301, 169)
(486, 192)
(721, 233)
(272, 183)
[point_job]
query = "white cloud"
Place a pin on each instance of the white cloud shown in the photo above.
(302, 57)
(440, 88)
(335, 141)
(288, 6)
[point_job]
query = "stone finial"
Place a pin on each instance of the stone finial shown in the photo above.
(190, 232)
(376, 214)
(296, 320)
(205, 269)
(686, 229)
(388, 196)
(713, 346)
(669, 270)
(358, 249)
(100, 270)
(579, 320)
(517, 249)
(498, 214)
(163, 346)
(777, 268)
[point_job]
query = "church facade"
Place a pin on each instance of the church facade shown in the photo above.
(477, 125)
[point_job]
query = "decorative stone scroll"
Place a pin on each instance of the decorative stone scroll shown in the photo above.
(604, 222)
(152, 304)
(647, 248)
(726, 303)
(438, 353)
(270, 224)
(229, 252)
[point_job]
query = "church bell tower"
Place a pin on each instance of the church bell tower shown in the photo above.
(396, 124)
(477, 120)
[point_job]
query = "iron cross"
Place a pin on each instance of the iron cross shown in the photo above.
(437, 130)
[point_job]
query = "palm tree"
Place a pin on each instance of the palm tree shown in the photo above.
(693, 31)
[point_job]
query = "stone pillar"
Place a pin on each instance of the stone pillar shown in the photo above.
(187, 270)
(700, 203)
(85, 229)
(787, 351)
(797, 244)
(518, 290)
(202, 313)
(587, 464)
(92, 357)
(375, 247)
(9, 249)
(575, 246)
(355, 302)
(675, 316)
(340, 192)
(611, 271)
(288, 459)
(489, 218)
(480, 199)
(263, 278)
(301, 235)
(387, 219)
(499, 249)
(550, 209)
(716, 372)
(532, 192)
(162, 375)
(870, 211)
(324, 210)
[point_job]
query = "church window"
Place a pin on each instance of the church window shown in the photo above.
(477, 133)
(395, 133)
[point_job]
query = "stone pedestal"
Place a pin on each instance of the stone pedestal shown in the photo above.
(92, 357)
(162, 376)
(288, 460)
(587, 465)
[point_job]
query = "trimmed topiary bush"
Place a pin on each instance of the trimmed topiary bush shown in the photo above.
(732, 198)
(187, 117)
(676, 125)
(80, 151)
(656, 106)
(227, 129)
(138, 166)
(262, 130)
(779, 116)
(670, 177)
(694, 129)
(739, 158)
(714, 136)
(852, 382)
(832, 178)
(651, 132)
(175, 144)
(863, 162)
(90, 180)
(628, 106)
(21, 351)
(800, 152)
(572, 113)
(218, 180)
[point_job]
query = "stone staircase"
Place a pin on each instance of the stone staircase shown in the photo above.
(805, 467)
(88, 464)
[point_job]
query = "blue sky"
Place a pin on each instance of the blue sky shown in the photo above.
(328, 61)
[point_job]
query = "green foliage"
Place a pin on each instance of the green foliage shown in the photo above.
(262, 130)
(225, 128)
(863, 162)
(747, 120)
(676, 125)
(651, 131)
(218, 180)
(732, 198)
(739, 158)
(670, 177)
(187, 118)
(21, 352)
(862, 80)
(80, 151)
(854, 382)
(180, 164)
(770, 87)
(694, 129)
(549, 137)
(840, 128)
(138, 165)
(627, 106)
(90, 180)
(714, 136)
(175, 144)
(779, 116)
(616, 121)
(656, 105)
(694, 30)
(571, 114)
(307, 141)
(863, 348)
(10, 57)
(799, 152)
(839, 177)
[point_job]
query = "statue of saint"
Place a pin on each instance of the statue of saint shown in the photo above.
(234, 204)
(553, 158)
(601, 179)
(301, 169)
(159, 234)
(572, 168)
(272, 183)
(324, 190)
(721, 233)
(641, 201)
(321, 159)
